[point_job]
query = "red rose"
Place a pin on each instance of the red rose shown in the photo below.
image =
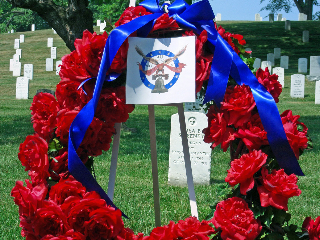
(44, 109)
(70, 235)
(270, 82)
(287, 116)
(59, 164)
(104, 223)
(126, 234)
(239, 102)
(234, 40)
(33, 155)
(119, 62)
(165, 22)
(64, 120)
(131, 13)
(277, 188)
(69, 96)
(162, 233)
(203, 69)
(65, 188)
(218, 130)
(313, 227)
(253, 133)
(243, 169)
(50, 220)
(236, 220)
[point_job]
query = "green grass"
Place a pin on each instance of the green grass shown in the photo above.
(133, 193)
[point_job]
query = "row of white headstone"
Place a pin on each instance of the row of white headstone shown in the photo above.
(301, 17)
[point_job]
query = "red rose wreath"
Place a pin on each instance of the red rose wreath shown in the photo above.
(258, 201)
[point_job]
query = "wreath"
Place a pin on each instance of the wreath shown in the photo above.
(54, 205)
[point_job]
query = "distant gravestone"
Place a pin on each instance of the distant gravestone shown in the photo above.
(315, 65)
(194, 106)
(266, 64)
(260, 18)
(22, 88)
(218, 17)
(28, 71)
(305, 36)
(284, 62)
(283, 19)
(98, 22)
(16, 58)
(19, 53)
(280, 72)
(49, 64)
(257, 63)
(271, 17)
(257, 17)
(200, 152)
(16, 71)
(317, 95)
(102, 26)
(277, 53)
(33, 27)
(11, 65)
(302, 17)
(279, 17)
(16, 44)
(297, 86)
(270, 57)
(302, 65)
(50, 42)
(54, 52)
(12, 31)
(287, 25)
(132, 3)
(21, 38)
(58, 67)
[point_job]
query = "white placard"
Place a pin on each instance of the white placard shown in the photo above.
(270, 58)
(22, 88)
(16, 71)
(19, 53)
(277, 53)
(21, 38)
(160, 71)
(28, 71)
(33, 27)
(266, 64)
(302, 65)
(297, 86)
(257, 63)
(49, 64)
(16, 43)
(50, 42)
(284, 62)
(317, 95)
(315, 65)
(58, 67)
(280, 72)
(54, 52)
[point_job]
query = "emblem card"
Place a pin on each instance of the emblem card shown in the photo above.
(160, 71)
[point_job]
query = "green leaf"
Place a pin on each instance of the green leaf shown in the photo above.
(54, 146)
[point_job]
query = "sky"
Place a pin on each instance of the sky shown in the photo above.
(246, 9)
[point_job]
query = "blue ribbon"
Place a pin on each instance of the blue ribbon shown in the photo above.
(197, 17)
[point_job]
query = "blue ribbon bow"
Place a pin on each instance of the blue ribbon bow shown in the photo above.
(226, 62)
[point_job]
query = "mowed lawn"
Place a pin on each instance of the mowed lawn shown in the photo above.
(133, 193)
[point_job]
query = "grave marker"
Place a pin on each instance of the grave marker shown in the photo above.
(218, 17)
(257, 17)
(98, 22)
(283, 19)
(21, 38)
(16, 71)
(22, 88)
(297, 86)
(200, 152)
(16, 58)
(279, 17)
(102, 26)
(302, 17)
(194, 106)
(305, 36)
(132, 3)
(16, 43)
(280, 72)
(287, 25)
(277, 53)
(19, 53)
(54, 52)
(284, 62)
(58, 67)
(49, 64)
(257, 63)
(271, 17)
(266, 64)
(315, 65)
(317, 95)
(270, 57)
(11, 65)
(33, 27)
(28, 71)
(302, 65)
(12, 31)
(50, 42)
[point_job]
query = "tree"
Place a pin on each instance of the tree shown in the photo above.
(304, 6)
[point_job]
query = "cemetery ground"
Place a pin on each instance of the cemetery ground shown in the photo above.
(133, 191)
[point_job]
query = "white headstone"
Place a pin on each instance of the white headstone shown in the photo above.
(16, 71)
(279, 17)
(22, 88)
(54, 52)
(266, 64)
(270, 57)
(305, 36)
(271, 17)
(16, 43)
(284, 62)
(200, 152)
(12, 31)
(102, 26)
(33, 27)
(260, 18)
(54, 31)
(11, 65)
(280, 72)
(58, 67)
(257, 17)
(315, 65)
(50, 42)
(257, 63)
(19, 52)
(287, 25)
(16, 58)
(21, 38)
(277, 53)
(28, 71)
(317, 95)
(98, 22)
(49, 64)
(194, 106)
(132, 3)
(302, 65)
(218, 17)
(297, 86)
(283, 19)
(302, 17)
